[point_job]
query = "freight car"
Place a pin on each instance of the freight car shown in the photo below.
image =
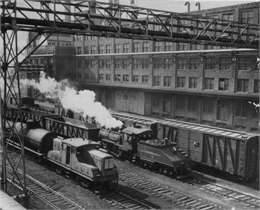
(229, 151)
(140, 145)
(75, 157)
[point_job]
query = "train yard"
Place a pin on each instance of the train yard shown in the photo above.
(140, 187)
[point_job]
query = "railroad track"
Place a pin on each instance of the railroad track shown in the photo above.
(52, 198)
(174, 196)
(245, 199)
(123, 201)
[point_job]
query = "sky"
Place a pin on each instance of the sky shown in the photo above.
(166, 5)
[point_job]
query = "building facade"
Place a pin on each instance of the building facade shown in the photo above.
(204, 84)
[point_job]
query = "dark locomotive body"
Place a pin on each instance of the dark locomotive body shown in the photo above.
(140, 145)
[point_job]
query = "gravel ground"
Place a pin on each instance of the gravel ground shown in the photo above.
(89, 200)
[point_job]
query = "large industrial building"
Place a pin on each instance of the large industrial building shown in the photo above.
(203, 84)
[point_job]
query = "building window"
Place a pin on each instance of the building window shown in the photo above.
(135, 78)
(146, 46)
(101, 63)
(145, 78)
(117, 63)
(156, 102)
(125, 63)
(92, 63)
(180, 103)
(145, 63)
(241, 109)
(158, 46)
(126, 78)
(194, 63)
(79, 50)
(117, 77)
(108, 49)
(182, 46)
(256, 86)
(209, 83)
(126, 48)
(93, 76)
(108, 77)
(209, 63)
(167, 81)
(86, 50)
(86, 76)
(222, 109)
(228, 16)
(225, 63)
(182, 62)
(167, 62)
(101, 49)
(158, 63)
(208, 105)
(192, 103)
(247, 16)
(245, 63)
(108, 64)
(136, 47)
(93, 49)
(223, 84)
(181, 82)
(79, 63)
(168, 46)
(167, 104)
(242, 85)
(101, 76)
(136, 63)
(118, 48)
(193, 82)
(157, 80)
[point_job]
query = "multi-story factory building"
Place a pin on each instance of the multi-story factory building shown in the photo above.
(204, 84)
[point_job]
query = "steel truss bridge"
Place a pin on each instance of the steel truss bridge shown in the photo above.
(91, 18)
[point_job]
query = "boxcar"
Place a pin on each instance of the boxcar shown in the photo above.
(230, 151)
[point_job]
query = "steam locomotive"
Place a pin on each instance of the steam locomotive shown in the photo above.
(141, 145)
(79, 158)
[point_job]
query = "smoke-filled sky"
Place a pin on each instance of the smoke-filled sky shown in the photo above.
(83, 102)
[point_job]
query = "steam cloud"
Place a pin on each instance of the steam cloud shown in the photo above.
(82, 102)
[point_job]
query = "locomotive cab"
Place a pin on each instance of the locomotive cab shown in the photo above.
(82, 158)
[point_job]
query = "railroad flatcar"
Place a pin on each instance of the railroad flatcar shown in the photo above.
(79, 158)
(140, 145)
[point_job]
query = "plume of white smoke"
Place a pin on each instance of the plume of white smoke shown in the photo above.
(82, 102)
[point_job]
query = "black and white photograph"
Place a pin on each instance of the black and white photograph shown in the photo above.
(129, 104)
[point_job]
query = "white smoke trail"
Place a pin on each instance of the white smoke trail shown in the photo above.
(82, 102)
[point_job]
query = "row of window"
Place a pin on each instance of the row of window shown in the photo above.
(142, 47)
(222, 63)
(192, 104)
(209, 83)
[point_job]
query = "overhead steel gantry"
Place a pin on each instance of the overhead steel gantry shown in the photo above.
(90, 18)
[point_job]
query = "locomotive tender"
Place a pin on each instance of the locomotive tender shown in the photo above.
(140, 145)
(75, 157)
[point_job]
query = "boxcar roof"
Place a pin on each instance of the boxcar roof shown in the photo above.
(78, 142)
(207, 129)
(137, 131)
